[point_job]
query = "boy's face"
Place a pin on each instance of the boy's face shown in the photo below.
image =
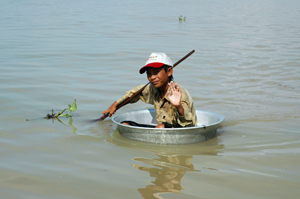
(158, 76)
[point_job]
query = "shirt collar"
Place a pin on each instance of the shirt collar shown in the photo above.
(156, 92)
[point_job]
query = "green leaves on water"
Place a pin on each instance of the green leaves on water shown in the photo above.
(60, 114)
(181, 18)
(71, 109)
(56, 117)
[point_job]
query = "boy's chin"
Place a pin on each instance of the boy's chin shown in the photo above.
(156, 85)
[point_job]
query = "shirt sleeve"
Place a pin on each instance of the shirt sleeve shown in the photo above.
(189, 118)
(145, 95)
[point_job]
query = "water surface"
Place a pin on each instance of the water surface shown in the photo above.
(246, 67)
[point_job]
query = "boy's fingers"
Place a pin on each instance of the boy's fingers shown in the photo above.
(175, 86)
(168, 93)
(172, 85)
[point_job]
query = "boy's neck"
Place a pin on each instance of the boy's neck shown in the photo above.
(163, 90)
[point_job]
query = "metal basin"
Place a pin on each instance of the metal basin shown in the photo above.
(187, 135)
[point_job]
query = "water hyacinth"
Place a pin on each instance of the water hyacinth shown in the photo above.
(181, 18)
(71, 108)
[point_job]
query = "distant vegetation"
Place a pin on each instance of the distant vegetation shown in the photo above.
(181, 18)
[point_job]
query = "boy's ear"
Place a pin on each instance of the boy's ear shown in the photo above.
(170, 71)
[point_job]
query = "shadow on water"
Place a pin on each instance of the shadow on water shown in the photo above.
(171, 165)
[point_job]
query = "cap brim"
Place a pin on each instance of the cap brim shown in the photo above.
(151, 65)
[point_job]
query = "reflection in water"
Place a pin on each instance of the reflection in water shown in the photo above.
(208, 147)
(167, 177)
(70, 123)
(172, 163)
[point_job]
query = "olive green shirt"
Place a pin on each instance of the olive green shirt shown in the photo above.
(166, 113)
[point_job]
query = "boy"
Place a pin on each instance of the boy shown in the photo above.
(173, 104)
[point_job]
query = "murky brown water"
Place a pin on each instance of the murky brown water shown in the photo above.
(246, 67)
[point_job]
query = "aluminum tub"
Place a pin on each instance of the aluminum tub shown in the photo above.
(187, 135)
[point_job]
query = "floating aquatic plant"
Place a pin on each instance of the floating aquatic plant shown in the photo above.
(181, 18)
(60, 114)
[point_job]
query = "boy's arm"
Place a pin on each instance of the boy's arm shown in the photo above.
(180, 110)
(111, 110)
(175, 97)
(129, 93)
(184, 105)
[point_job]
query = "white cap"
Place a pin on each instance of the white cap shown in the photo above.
(156, 60)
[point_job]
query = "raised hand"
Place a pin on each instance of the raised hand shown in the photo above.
(175, 95)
